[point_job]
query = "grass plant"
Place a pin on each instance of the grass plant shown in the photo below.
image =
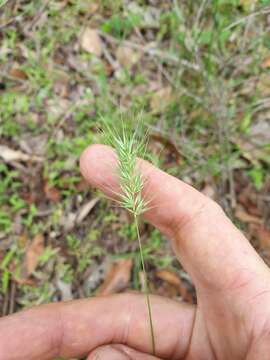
(129, 145)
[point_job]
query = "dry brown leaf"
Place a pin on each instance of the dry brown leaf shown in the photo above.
(108, 68)
(126, 56)
(82, 185)
(263, 237)
(62, 87)
(18, 74)
(266, 63)
(161, 98)
(174, 280)
(254, 210)
(9, 155)
(90, 41)
(118, 277)
(25, 281)
(88, 7)
(33, 253)
(170, 277)
(52, 193)
(242, 215)
(167, 290)
(243, 194)
(92, 7)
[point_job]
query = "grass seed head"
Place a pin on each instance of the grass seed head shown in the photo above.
(128, 146)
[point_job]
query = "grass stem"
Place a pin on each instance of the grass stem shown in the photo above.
(146, 287)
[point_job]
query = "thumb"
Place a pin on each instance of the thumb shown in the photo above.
(118, 352)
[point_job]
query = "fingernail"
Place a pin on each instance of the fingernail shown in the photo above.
(108, 352)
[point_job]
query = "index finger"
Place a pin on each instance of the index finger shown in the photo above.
(210, 247)
(73, 329)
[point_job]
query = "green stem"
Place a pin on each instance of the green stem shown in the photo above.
(146, 287)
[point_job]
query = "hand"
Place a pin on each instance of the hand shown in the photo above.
(231, 320)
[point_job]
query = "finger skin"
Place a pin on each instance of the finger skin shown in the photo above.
(118, 352)
(74, 329)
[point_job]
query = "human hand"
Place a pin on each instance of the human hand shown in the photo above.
(231, 320)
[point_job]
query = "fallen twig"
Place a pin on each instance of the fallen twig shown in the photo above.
(10, 155)
(263, 11)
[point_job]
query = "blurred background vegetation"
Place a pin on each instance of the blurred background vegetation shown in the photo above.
(200, 70)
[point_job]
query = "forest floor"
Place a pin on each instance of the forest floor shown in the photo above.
(200, 70)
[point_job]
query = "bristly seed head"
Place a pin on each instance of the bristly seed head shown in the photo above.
(128, 147)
